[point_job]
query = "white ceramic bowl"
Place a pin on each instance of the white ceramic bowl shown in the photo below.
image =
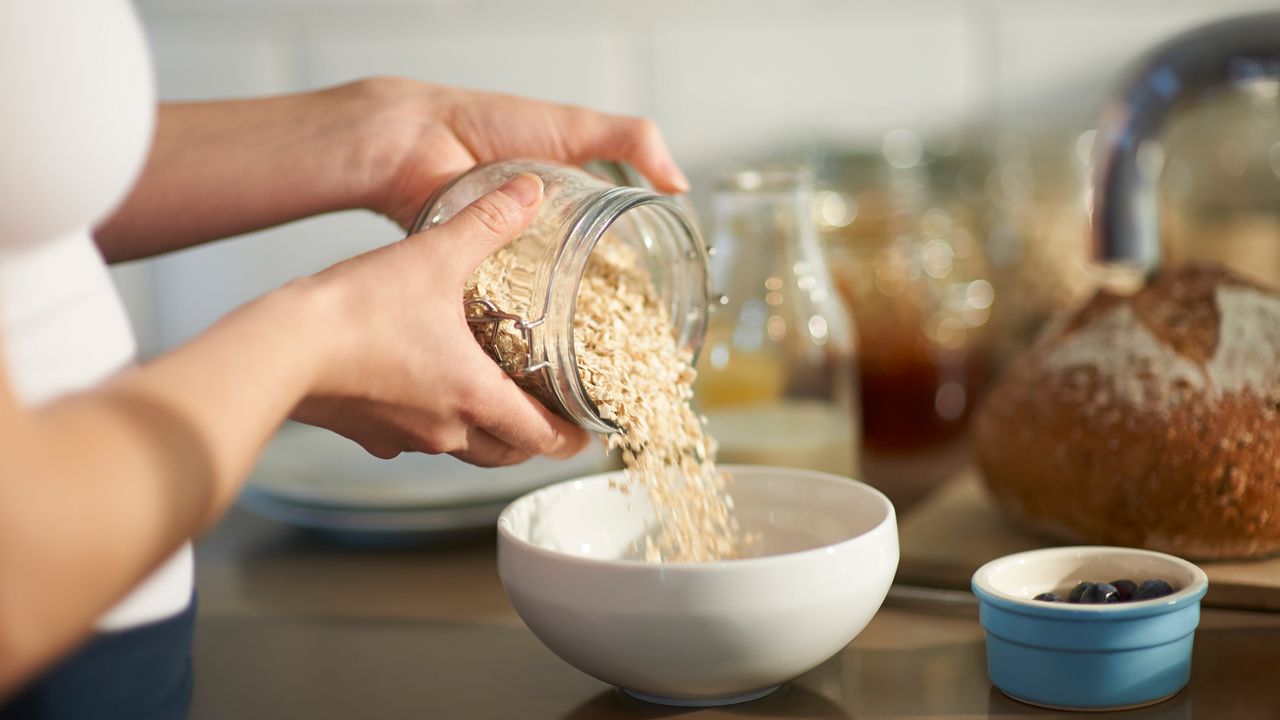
(700, 633)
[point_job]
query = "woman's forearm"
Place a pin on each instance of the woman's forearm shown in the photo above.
(222, 168)
(113, 480)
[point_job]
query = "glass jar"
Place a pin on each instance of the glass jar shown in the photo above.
(776, 382)
(531, 334)
(904, 229)
(1038, 246)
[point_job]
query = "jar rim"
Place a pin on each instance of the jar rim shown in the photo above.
(620, 173)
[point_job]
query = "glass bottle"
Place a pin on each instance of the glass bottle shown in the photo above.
(532, 339)
(904, 230)
(775, 377)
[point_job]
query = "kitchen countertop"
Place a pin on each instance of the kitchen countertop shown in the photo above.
(293, 627)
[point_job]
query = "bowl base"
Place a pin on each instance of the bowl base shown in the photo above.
(701, 702)
(1107, 708)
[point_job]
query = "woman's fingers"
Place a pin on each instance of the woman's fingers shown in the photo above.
(535, 428)
(486, 225)
(638, 141)
(510, 127)
(485, 450)
(496, 404)
(511, 425)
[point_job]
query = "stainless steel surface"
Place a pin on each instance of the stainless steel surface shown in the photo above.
(1129, 156)
(931, 599)
(290, 627)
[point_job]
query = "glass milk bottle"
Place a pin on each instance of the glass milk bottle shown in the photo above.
(775, 378)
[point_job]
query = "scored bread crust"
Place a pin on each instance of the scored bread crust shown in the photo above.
(1149, 421)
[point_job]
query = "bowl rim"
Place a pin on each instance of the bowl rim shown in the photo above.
(988, 594)
(736, 564)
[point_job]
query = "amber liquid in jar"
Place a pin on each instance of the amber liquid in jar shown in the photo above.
(922, 360)
(911, 400)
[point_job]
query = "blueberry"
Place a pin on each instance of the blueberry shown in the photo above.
(1048, 597)
(1126, 589)
(1100, 594)
(1078, 590)
(1152, 589)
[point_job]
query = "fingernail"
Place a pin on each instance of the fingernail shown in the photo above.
(567, 446)
(525, 188)
(678, 179)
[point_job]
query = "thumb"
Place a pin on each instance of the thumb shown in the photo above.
(488, 223)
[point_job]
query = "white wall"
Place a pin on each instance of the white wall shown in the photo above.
(724, 78)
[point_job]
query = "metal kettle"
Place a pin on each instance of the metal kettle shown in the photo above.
(1128, 154)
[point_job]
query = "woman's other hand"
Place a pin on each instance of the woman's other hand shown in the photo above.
(405, 372)
(424, 135)
(226, 167)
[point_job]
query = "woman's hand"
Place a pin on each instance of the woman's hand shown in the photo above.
(429, 134)
(107, 482)
(223, 168)
(376, 347)
(405, 372)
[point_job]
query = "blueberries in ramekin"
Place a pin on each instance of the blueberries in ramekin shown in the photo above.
(1152, 589)
(1116, 591)
(1125, 588)
(1100, 594)
(1078, 591)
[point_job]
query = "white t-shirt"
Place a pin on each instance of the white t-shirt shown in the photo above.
(77, 105)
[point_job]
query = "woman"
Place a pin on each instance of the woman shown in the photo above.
(108, 469)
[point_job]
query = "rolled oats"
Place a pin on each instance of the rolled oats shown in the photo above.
(640, 380)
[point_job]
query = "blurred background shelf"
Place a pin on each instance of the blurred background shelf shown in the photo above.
(949, 141)
(726, 80)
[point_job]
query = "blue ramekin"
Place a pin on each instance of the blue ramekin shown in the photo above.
(1087, 657)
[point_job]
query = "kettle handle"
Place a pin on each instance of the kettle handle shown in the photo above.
(1128, 156)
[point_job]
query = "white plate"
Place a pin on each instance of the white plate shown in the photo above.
(310, 467)
(376, 527)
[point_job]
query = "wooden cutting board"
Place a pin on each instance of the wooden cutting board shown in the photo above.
(954, 531)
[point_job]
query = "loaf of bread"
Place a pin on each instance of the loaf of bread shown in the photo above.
(1151, 420)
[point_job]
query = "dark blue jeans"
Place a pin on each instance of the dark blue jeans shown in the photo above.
(139, 674)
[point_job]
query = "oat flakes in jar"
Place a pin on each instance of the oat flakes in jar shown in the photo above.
(595, 243)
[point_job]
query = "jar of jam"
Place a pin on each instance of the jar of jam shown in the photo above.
(904, 230)
(521, 305)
